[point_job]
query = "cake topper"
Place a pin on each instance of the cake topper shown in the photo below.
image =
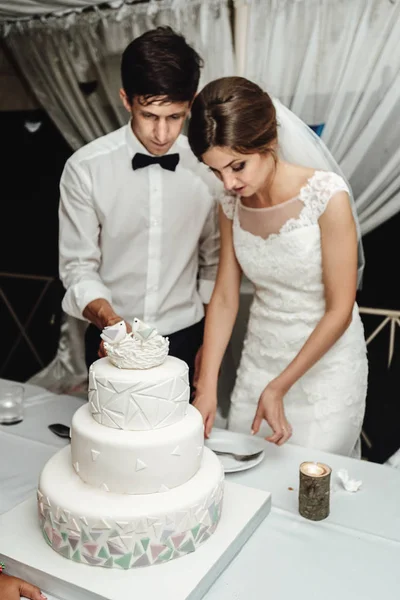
(143, 331)
(143, 348)
(114, 333)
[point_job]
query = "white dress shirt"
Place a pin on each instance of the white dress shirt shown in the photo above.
(145, 240)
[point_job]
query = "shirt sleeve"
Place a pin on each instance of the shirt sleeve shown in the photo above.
(209, 254)
(79, 251)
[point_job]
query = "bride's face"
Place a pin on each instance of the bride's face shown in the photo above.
(243, 174)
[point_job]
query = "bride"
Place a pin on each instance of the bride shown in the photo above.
(288, 222)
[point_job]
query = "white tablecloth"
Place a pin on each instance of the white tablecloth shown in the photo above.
(25, 447)
(353, 554)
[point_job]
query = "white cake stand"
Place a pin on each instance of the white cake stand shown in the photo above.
(27, 555)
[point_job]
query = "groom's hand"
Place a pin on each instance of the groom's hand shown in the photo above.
(112, 321)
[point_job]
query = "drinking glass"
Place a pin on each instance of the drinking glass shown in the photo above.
(11, 404)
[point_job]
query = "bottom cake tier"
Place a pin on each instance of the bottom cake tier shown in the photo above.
(103, 529)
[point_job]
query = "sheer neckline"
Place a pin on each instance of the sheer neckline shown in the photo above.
(268, 208)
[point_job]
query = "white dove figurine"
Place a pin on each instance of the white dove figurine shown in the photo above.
(113, 334)
(143, 331)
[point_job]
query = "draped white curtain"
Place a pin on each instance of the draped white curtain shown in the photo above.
(337, 63)
(72, 63)
(26, 9)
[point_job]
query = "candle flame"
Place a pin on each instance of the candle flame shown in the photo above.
(312, 468)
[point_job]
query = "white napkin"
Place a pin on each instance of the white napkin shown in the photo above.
(350, 485)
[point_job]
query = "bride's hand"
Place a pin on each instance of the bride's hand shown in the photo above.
(270, 408)
(206, 404)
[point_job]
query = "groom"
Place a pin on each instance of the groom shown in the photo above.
(138, 212)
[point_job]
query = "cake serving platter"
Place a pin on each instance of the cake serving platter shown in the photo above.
(222, 440)
(189, 577)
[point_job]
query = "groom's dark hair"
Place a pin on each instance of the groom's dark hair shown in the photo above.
(160, 63)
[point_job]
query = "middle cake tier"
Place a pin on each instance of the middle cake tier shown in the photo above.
(136, 462)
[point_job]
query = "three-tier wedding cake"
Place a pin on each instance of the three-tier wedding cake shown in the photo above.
(136, 486)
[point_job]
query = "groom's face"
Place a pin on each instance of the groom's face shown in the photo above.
(157, 123)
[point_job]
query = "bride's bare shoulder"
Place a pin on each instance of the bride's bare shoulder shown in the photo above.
(302, 174)
(296, 176)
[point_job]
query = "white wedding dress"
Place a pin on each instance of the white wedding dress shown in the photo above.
(279, 250)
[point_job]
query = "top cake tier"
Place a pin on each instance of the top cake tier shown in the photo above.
(139, 399)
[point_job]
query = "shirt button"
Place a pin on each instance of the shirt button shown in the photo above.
(154, 222)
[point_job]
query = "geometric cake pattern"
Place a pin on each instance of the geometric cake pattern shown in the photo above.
(139, 406)
(126, 545)
(132, 531)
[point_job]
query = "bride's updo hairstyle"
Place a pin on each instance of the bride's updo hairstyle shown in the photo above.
(235, 113)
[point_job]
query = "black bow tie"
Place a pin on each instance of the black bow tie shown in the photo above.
(168, 161)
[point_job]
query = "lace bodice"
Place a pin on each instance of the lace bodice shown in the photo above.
(300, 211)
(281, 254)
(279, 251)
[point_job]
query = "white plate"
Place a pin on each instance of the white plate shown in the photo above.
(233, 466)
(239, 443)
